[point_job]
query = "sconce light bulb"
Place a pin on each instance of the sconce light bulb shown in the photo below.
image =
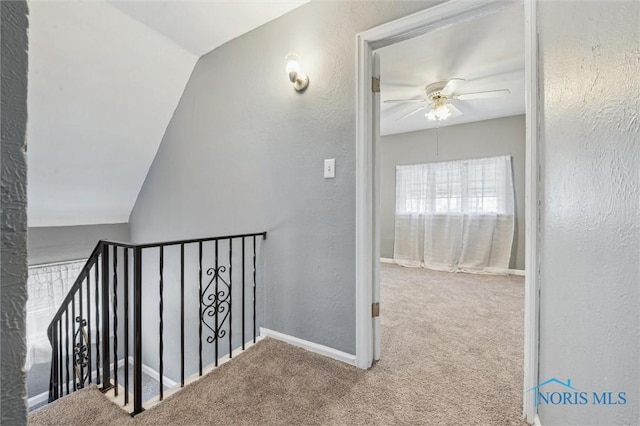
(293, 66)
(296, 76)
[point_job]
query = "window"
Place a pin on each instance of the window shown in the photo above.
(479, 186)
(456, 215)
(47, 285)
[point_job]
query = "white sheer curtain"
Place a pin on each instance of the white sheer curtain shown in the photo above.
(47, 287)
(456, 215)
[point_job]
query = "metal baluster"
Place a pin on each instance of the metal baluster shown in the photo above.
(66, 313)
(126, 325)
(89, 325)
(73, 342)
(254, 289)
(137, 331)
(181, 315)
(161, 308)
(230, 293)
(97, 301)
(200, 305)
(243, 299)
(216, 301)
(61, 391)
(106, 352)
(53, 385)
(115, 320)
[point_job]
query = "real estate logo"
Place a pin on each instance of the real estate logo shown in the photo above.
(557, 392)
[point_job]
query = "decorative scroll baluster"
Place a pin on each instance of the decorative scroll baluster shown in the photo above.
(80, 358)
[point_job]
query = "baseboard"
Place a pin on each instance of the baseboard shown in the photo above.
(507, 271)
(310, 346)
(496, 270)
(155, 375)
(35, 400)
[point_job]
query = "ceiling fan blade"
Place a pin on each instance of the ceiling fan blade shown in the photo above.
(411, 113)
(451, 86)
(455, 112)
(395, 101)
(483, 95)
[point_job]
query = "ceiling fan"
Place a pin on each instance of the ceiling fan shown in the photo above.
(438, 96)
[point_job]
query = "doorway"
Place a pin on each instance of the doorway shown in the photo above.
(368, 220)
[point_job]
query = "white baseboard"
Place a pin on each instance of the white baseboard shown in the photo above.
(155, 375)
(507, 271)
(496, 270)
(310, 346)
(35, 400)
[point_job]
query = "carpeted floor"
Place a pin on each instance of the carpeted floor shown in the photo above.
(451, 355)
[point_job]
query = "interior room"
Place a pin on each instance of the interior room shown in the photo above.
(309, 212)
(452, 212)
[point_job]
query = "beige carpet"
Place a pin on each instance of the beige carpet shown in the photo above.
(451, 355)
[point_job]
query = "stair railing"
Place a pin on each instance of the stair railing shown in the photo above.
(93, 338)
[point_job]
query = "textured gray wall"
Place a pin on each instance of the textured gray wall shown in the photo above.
(590, 241)
(13, 216)
(502, 136)
(60, 243)
(244, 153)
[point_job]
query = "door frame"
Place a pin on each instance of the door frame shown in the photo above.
(367, 173)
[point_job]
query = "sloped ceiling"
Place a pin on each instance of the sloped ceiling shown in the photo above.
(104, 80)
(487, 52)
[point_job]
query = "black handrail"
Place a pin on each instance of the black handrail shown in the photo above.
(215, 313)
(176, 242)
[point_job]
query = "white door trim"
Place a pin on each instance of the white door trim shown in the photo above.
(367, 170)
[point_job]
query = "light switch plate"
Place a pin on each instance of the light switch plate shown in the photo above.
(330, 168)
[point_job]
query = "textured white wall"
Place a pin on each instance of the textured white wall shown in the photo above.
(13, 207)
(590, 242)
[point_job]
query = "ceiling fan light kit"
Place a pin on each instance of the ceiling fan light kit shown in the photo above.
(439, 96)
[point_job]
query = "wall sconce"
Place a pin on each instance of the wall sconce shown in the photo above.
(299, 79)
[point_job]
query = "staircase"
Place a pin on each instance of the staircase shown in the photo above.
(173, 309)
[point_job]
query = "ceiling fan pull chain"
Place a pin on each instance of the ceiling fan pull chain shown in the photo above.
(438, 139)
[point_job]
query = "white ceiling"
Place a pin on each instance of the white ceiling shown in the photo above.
(488, 52)
(104, 80)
